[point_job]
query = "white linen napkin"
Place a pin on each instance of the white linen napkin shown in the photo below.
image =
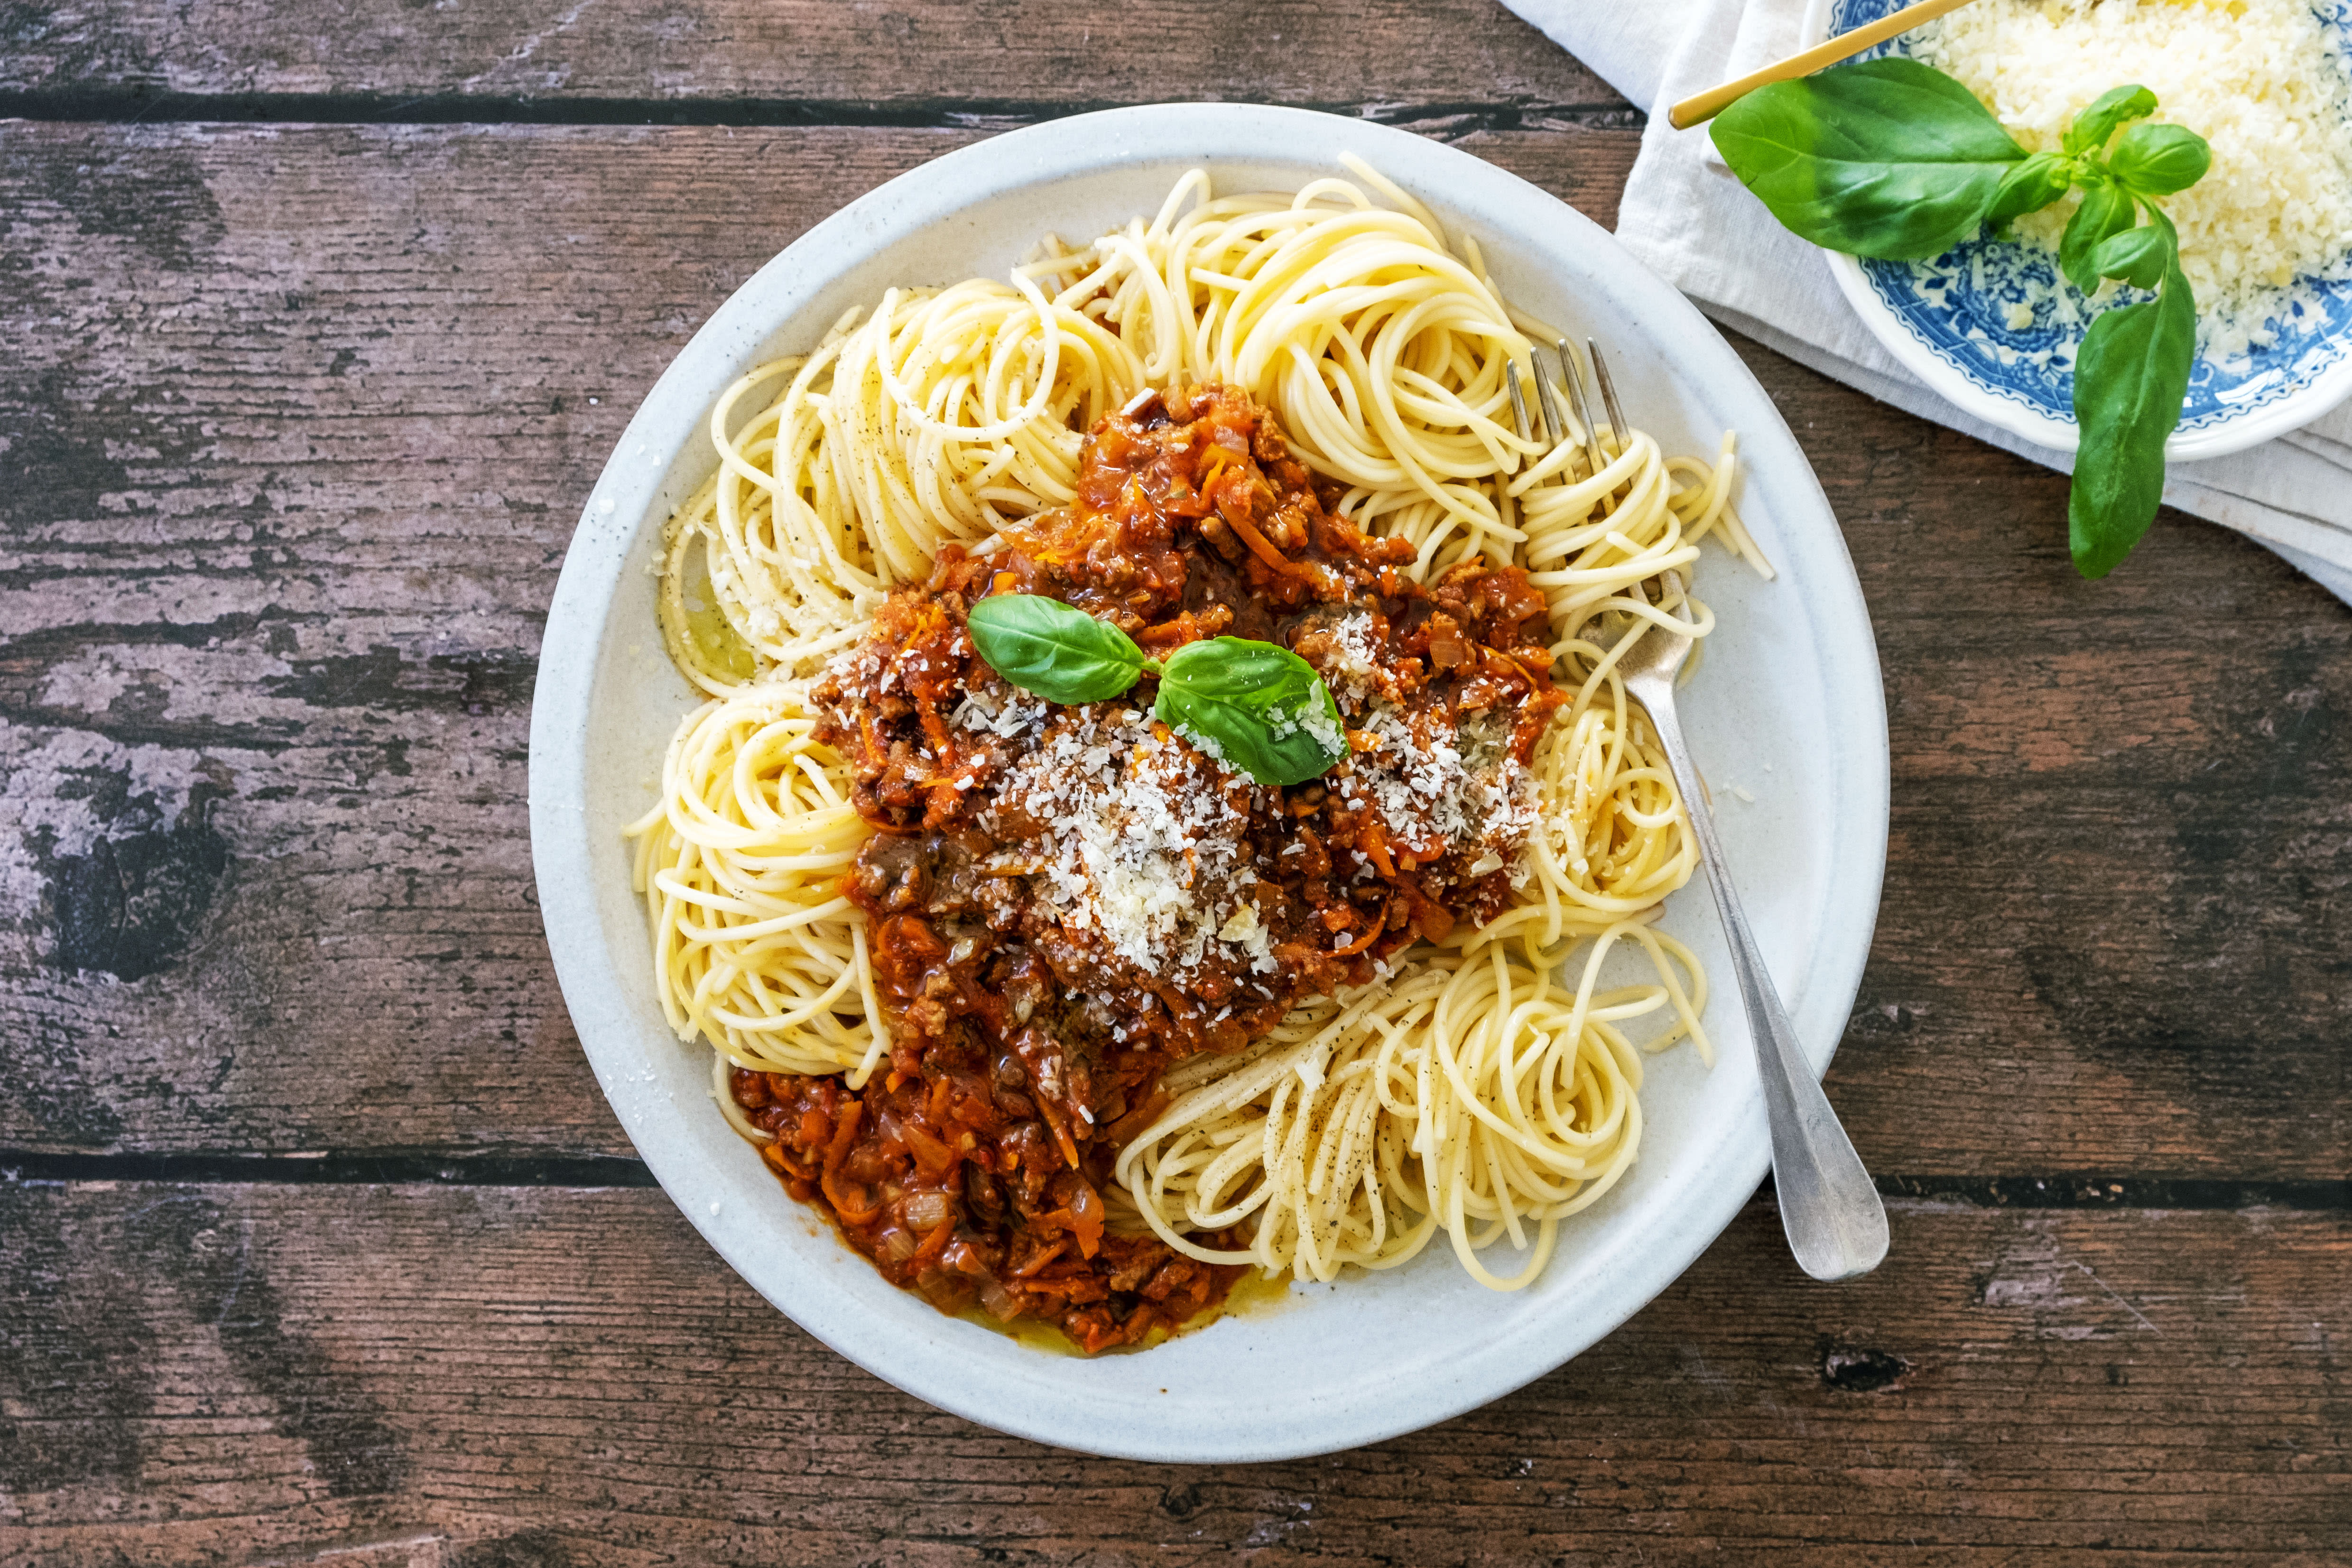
(1689, 218)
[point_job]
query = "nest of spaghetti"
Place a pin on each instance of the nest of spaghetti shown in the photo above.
(1061, 904)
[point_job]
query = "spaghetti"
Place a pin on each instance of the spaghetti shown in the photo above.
(1471, 1076)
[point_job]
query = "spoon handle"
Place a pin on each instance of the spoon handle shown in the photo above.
(1829, 1205)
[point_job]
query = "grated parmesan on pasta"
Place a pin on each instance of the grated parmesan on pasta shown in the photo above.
(1143, 839)
(2262, 81)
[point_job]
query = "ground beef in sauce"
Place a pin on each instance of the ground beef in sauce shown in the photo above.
(1062, 901)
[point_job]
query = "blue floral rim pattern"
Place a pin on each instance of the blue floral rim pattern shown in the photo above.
(1959, 306)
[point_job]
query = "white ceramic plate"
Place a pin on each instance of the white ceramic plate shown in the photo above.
(1787, 707)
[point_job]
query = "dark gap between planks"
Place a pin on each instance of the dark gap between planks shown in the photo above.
(142, 105)
(2074, 1190)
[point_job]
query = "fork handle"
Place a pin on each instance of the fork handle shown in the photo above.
(1830, 1207)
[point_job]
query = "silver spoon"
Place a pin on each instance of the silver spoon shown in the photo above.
(1829, 1205)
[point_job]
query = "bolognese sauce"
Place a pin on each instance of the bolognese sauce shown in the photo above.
(1063, 901)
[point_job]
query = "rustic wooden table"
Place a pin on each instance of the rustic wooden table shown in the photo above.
(316, 1236)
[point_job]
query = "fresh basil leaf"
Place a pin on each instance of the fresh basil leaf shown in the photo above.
(1062, 654)
(1887, 158)
(1259, 707)
(2130, 379)
(2140, 256)
(2157, 160)
(2110, 109)
(2029, 187)
(2106, 211)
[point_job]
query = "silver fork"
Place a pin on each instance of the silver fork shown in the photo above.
(1830, 1208)
(1554, 427)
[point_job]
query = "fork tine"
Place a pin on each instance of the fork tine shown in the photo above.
(1608, 393)
(1583, 406)
(1519, 398)
(1553, 429)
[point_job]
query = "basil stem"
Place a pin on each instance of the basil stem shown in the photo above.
(1889, 158)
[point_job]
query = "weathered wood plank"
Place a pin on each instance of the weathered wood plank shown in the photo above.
(213, 1374)
(924, 58)
(2118, 850)
(296, 424)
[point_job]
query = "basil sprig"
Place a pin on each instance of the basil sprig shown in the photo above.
(1895, 161)
(1257, 706)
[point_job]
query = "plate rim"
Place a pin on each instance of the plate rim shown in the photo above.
(565, 870)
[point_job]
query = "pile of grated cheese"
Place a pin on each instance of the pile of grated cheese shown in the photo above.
(1142, 844)
(2262, 81)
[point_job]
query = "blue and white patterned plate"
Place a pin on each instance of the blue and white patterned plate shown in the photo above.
(1947, 321)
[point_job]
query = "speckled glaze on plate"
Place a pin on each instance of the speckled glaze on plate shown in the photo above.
(1787, 707)
(1947, 321)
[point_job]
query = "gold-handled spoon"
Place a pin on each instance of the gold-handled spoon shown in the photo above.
(1707, 105)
